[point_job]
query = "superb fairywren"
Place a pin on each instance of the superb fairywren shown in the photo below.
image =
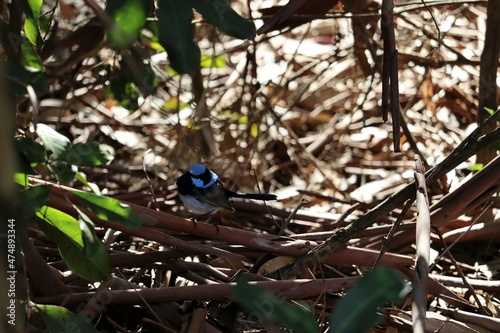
(202, 192)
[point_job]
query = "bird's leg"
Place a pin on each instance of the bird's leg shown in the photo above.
(194, 220)
(199, 218)
(216, 221)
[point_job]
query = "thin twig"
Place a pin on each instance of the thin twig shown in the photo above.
(386, 239)
(283, 227)
(483, 310)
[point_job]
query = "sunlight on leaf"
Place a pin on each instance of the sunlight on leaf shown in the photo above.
(81, 177)
(110, 209)
(31, 28)
(129, 16)
(52, 140)
(254, 130)
(65, 232)
(21, 179)
(59, 319)
(156, 46)
(173, 104)
(476, 167)
(212, 62)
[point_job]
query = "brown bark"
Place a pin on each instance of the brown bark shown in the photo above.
(488, 75)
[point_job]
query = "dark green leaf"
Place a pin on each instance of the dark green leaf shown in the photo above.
(23, 165)
(220, 14)
(123, 91)
(92, 245)
(33, 199)
(265, 304)
(139, 71)
(86, 154)
(33, 151)
(19, 77)
(110, 209)
(129, 17)
(65, 231)
(30, 57)
(59, 319)
(63, 171)
(29, 154)
(176, 36)
(52, 140)
(357, 311)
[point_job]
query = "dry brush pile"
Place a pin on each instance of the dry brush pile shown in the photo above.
(296, 112)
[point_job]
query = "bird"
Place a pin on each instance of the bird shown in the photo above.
(202, 192)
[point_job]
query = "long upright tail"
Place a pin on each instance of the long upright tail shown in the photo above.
(253, 196)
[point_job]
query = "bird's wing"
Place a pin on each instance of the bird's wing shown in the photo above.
(214, 195)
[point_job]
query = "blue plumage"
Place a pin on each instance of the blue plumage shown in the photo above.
(202, 192)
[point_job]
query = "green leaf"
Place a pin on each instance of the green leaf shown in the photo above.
(29, 154)
(220, 14)
(23, 165)
(52, 140)
(93, 246)
(29, 200)
(64, 172)
(69, 233)
(33, 151)
(156, 46)
(30, 57)
(357, 311)
(266, 304)
(212, 62)
(172, 72)
(65, 231)
(81, 177)
(122, 90)
(254, 130)
(129, 17)
(21, 179)
(476, 167)
(243, 120)
(59, 319)
(34, 198)
(86, 154)
(110, 209)
(19, 77)
(173, 103)
(139, 71)
(31, 25)
(176, 36)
